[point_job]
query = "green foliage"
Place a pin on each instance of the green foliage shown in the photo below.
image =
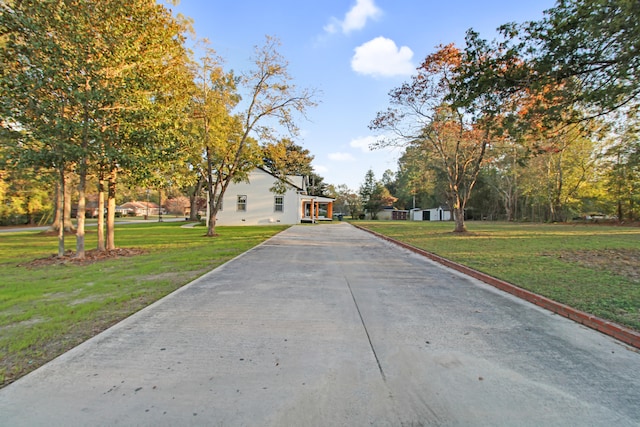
(453, 134)
(622, 169)
(284, 158)
(368, 186)
(374, 195)
(347, 201)
(287, 157)
(229, 140)
(84, 82)
(25, 197)
(421, 179)
(579, 61)
(542, 95)
(592, 41)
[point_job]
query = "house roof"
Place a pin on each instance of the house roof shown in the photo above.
(290, 180)
(317, 198)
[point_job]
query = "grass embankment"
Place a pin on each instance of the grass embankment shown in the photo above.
(47, 309)
(593, 268)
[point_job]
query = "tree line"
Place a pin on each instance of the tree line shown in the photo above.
(101, 97)
(541, 123)
(106, 93)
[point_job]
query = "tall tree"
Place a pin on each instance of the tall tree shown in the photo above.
(284, 158)
(420, 179)
(581, 57)
(270, 103)
(288, 157)
(217, 132)
(622, 167)
(40, 85)
(367, 189)
(90, 81)
(422, 115)
(347, 200)
(595, 42)
(380, 198)
(316, 186)
(147, 82)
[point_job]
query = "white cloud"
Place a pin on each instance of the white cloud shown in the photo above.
(363, 143)
(341, 157)
(320, 168)
(381, 57)
(356, 18)
(332, 27)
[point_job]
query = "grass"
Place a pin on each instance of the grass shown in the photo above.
(46, 310)
(594, 268)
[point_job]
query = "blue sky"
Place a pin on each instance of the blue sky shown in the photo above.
(353, 52)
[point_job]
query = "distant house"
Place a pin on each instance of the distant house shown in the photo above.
(126, 209)
(252, 202)
(441, 213)
(389, 213)
(139, 208)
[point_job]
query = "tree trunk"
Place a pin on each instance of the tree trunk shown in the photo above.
(193, 200)
(458, 213)
(82, 185)
(211, 229)
(101, 244)
(68, 225)
(159, 204)
(111, 210)
(60, 214)
(57, 214)
(212, 203)
(458, 216)
(81, 210)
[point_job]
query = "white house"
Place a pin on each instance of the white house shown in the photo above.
(434, 214)
(253, 203)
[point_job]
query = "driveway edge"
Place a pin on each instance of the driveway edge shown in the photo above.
(622, 333)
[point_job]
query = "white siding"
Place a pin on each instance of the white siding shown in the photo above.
(435, 214)
(260, 208)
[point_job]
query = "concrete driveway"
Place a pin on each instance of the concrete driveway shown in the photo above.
(330, 326)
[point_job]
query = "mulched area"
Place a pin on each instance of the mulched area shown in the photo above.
(91, 257)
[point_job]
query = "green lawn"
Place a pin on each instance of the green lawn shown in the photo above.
(594, 268)
(46, 310)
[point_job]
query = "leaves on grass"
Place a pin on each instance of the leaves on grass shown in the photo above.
(90, 257)
(623, 262)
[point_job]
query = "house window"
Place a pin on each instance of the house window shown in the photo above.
(242, 203)
(279, 204)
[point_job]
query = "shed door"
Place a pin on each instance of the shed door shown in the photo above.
(426, 215)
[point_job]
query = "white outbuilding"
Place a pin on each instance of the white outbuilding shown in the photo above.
(441, 213)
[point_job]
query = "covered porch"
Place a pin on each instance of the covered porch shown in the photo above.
(315, 208)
